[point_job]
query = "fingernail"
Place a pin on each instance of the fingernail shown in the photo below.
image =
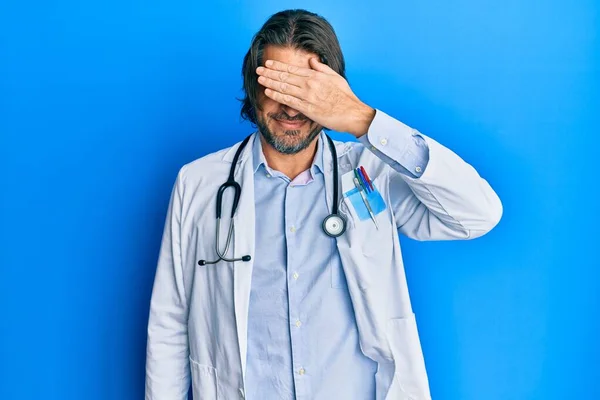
(268, 63)
(259, 70)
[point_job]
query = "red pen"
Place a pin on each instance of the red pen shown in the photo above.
(366, 176)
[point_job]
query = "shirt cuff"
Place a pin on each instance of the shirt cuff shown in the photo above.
(397, 144)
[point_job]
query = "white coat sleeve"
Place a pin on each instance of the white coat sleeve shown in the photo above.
(449, 200)
(167, 362)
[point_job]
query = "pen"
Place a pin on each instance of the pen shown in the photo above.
(357, 176)
(363, 180)
(360, 190)
(367, 177)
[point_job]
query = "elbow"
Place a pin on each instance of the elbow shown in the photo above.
(494, 212)
(490, 217)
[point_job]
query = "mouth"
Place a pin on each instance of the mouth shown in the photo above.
(290, 124)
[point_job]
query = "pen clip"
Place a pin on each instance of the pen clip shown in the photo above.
(358, 180)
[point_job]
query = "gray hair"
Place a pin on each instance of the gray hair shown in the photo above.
(299, 29)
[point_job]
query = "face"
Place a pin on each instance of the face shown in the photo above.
(283, 127)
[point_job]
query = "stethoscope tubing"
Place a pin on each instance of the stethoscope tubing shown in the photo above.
(237, 189)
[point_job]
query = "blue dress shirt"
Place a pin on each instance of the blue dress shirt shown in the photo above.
(302, 335)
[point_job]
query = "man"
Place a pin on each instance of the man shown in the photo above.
(302, 313)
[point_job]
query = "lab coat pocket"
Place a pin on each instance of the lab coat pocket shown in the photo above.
(205, 383)
(356, 202)
(375, 240)
(410, 377)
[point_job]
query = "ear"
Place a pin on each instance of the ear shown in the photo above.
(319, 66)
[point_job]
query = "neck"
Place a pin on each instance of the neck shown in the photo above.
(289, 164)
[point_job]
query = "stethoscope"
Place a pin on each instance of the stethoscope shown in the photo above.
(333, 225)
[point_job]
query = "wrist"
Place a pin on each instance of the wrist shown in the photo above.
(362, 120)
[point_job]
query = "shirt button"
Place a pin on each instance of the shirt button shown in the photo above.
(293, 229)
(418, 169)
(373, 148)
(295, 275)
(383, 141)
(298, 323)
(301, 371)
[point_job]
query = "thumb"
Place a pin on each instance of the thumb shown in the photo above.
(319, 66)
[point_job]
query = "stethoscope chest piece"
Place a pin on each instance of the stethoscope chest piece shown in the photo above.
(334, 225)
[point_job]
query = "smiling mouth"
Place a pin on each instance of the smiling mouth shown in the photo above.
(290, 124)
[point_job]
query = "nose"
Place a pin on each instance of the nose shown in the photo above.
(290, 111)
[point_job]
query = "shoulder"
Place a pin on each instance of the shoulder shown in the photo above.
(206, 167)
(353, 150)
(203, 165)
(353, 154)
(348, 149)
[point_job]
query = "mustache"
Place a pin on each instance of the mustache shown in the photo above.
(282, 116)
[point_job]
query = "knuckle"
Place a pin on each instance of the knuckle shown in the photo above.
(284, 87)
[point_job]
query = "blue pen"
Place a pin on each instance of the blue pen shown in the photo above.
(364, 180)
(358, 177)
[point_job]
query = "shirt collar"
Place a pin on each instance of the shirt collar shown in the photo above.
(259, 157)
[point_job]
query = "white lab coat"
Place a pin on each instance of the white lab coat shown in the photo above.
(199, 314)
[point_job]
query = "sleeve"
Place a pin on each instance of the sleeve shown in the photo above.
(167, 362)
(445, 198)
(406, 152)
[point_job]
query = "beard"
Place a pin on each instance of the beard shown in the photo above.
(292, 141)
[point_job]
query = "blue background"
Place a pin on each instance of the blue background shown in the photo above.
(101, 102)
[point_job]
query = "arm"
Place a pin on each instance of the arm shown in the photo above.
(410, 153)
(167, 362)
(442, 197)
(448, 201)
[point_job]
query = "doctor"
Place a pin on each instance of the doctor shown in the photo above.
(309, 309)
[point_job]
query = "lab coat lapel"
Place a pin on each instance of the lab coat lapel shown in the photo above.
(343, 167)
(243, 243)
(328, 166)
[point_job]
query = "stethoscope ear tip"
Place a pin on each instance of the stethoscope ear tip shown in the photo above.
(246, 258)
(202, 262)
